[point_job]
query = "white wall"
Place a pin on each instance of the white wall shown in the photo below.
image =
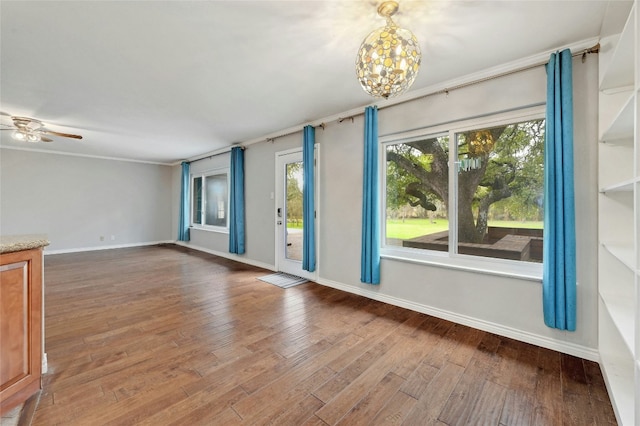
(75, 200)
(260, 207)
(504, 305)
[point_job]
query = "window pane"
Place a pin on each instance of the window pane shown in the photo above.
(196, 197)
(500, 191)
(216, 212)
(293, 208)
(417, 194)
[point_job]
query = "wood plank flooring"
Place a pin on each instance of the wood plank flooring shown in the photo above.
(165, 335)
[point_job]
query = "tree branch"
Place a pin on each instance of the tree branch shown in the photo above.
(413, 189)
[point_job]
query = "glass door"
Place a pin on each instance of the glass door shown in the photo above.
(289, 217)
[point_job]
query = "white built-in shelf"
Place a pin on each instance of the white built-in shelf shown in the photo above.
(622, 313)
(617, 368)
(624, 186)
(620, 71)
(620, 384)
(625, 253)
(621, 129)
(619, 209)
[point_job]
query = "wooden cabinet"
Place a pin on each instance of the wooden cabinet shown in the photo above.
(619, 211)
(20, 326)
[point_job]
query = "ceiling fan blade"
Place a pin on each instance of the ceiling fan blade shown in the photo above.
(45, 139)
(65, 135)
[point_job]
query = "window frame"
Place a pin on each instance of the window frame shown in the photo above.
(451, 258)
(203, 226)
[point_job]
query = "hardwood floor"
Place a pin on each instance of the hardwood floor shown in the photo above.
(169, 336)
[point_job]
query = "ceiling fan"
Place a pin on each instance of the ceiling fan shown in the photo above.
(32, 130)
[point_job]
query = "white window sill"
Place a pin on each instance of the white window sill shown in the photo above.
(500, 267)
(211, 229)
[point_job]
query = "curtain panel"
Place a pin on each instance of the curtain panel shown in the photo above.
(370, 255)
(308, 204)
(183, 219)
(559, 242)
(236, 206)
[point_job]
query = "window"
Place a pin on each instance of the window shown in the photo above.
(210, 200)
(490, 205)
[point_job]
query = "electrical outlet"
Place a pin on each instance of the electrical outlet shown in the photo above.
(101, 237)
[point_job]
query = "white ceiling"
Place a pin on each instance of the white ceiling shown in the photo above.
(165, 81)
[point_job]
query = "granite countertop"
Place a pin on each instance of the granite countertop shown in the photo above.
(11, 243)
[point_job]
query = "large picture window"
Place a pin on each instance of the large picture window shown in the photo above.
(210, 200)
(488, 205)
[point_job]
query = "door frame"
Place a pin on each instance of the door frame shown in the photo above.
(280, 190)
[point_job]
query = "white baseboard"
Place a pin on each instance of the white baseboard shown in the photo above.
(501, 330)
(226, 255)
(110, 247)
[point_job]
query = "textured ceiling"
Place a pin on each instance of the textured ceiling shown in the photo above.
(165, 81)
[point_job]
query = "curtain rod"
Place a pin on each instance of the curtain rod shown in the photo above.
(227, 149)
(273, 138)
(445, 91)
(212, 154)
(593, 49)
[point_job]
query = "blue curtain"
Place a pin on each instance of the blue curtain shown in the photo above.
(308, 207)
(183, 220)
(559, 245)
(236, 208)
(370, 258)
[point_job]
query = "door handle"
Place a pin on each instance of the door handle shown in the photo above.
(279, 222)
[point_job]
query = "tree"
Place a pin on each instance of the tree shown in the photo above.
(294, 192)
(506, 165)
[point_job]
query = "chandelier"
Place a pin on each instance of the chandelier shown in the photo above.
(389, 57)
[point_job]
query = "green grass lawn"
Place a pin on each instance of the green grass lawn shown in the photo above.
(411, 228)
(294, 225)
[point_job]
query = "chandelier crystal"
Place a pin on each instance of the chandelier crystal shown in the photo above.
(389, 58)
